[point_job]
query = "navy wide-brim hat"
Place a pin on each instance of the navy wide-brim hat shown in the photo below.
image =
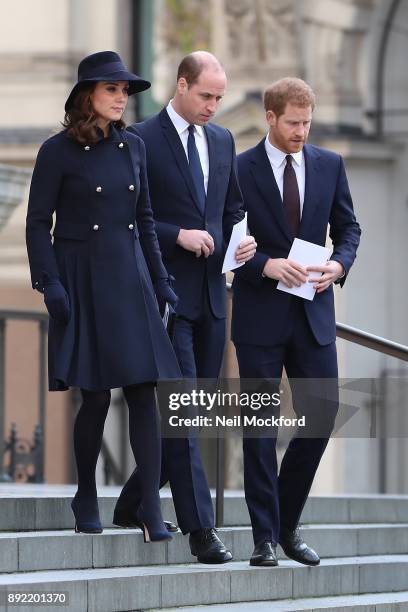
(105, 66)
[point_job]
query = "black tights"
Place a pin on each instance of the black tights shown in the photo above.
(144, 436)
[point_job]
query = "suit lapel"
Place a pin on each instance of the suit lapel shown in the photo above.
(212, 158)
(177, 148)
(312, 177)
(266, 183)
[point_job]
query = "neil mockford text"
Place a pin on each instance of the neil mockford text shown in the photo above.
(218, 400)
(236, 421)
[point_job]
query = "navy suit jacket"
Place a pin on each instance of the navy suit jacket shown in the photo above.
(260, 311)
(175, 205)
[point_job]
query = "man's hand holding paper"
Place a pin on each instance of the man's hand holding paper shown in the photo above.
(305, 257)
(330, 272)
(241, 247)
(289, 272)
(246, 250)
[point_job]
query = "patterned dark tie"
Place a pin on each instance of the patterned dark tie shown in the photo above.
(291, 199)
(195, 167)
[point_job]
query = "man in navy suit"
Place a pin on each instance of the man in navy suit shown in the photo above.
(196, 201)
(291, 189)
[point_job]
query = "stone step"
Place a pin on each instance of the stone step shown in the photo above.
(333, 509)
(370, 602)
(45, 507)
(49, 550)
(133, 588)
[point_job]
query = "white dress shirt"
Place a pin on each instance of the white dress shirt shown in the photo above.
(277, 159)
(181, 126)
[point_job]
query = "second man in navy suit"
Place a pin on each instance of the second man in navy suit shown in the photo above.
(196, 201)
(291, 189)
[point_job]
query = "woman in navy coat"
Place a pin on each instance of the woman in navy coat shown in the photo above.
(102, 277)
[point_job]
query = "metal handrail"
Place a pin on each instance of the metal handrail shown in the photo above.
(110, 467)
(42, 319)
(24, 315)
(376, 343)
(371, 341)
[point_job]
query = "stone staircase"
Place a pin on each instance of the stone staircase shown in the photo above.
(363, 542)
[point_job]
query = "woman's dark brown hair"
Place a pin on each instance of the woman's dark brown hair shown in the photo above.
(80, 121)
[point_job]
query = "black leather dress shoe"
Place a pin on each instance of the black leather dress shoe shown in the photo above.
(208, 548)
(128, 519)
(295, 548)
(264, 555)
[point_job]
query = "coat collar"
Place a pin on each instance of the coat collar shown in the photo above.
(278, 157)
(115, 136)
(180, 123)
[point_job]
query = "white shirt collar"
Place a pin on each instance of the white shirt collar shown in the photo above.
(277, 156)
(180, 123)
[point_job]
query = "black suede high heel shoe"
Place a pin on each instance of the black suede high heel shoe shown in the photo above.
(126, 518)
(152, 525)
(86, 513)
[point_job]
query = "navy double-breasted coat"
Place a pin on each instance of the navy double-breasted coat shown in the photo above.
(105, 252)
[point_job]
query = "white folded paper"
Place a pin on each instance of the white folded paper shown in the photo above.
(306, 254)
(239, 232)
(165, 317)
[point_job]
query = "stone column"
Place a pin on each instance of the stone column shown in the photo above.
(256, 40)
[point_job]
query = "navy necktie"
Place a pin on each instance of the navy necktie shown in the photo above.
(195, 167)
(291, 199)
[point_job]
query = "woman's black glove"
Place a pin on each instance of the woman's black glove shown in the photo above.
(164, 293)
(56, 300)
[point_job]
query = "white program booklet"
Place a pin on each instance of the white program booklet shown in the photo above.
(165, 317)
(306, 254)
(239, 232)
